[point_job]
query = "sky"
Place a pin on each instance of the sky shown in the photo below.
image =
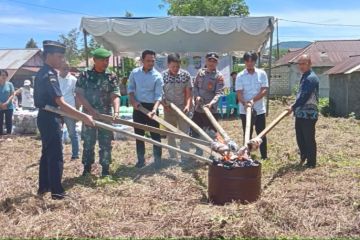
(46, 19)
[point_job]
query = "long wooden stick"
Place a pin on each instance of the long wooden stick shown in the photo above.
(215, 123)
(248, 124)
(109, 119)
(175, 129)
(183, 116)
(273, 124)
(129, 134)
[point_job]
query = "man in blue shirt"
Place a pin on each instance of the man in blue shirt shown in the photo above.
(306, 112)
(145, 88)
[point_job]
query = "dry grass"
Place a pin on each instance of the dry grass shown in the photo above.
(321, 202)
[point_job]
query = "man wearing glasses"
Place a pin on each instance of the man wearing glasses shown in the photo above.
(306, 112)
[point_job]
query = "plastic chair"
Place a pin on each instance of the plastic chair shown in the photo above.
(221, 105)
(124, 101)
(231, 104)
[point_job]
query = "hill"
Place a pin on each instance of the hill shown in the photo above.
(292, 44)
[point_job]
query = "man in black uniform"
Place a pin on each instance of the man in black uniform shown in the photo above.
(47, 92)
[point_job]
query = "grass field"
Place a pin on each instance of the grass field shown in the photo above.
(295, 202)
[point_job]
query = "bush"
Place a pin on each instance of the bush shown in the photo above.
(324, 106)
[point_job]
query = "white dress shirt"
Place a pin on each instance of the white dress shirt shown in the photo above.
(67, 87)
(251, 85)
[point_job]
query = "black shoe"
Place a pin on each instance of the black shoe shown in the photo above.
(87, 170)
(42, 192)
(157, 163)
(74, 158)
(310, 165)
(302, 160)
(105, 172)
(140, 165)
(59, 196)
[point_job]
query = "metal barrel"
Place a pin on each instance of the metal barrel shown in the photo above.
(242, 184)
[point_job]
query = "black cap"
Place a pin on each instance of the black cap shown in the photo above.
(212, 55)
(53, 47)
(250, 56)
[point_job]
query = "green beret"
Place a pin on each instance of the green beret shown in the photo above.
(101, 53)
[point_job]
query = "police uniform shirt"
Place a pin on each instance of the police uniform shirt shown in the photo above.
(46, 87)
(209, 86)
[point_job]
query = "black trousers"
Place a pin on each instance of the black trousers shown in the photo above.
(7, 114)
(259, 122)
(202, 121)
(51, 162)
(305, 137)
(139, 117)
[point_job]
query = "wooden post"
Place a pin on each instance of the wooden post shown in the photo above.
(269, 65)
(183, 116)
(273, 124)
(248, 125)
(109, 119)
(132, 135)
(86, 49)
(175, 129)
(216, 124)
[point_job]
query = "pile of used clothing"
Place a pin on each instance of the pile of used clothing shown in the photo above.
(236, 163)
(25, 122)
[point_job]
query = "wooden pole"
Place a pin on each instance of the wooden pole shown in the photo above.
(175, 129)
(216, 124)
(277, 40)
(273, 124)
(248, 124)
(109, 119)
(269, 65)
(183, 116)
(132, 135)
(86, 49)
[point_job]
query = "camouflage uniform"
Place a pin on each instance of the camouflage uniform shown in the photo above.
(97, 89)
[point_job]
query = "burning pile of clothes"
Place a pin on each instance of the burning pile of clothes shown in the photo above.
(236, 163)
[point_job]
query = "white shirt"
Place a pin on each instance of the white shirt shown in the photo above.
(251, 85)
(27, 97)
(67, 87)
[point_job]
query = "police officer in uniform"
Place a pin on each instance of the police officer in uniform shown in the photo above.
(208, 88)
(47, 92)
(97, 90)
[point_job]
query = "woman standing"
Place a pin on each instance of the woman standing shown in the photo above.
(6, 104)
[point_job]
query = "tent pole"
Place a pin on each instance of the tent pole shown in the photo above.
(277, 40)
(269, 65)
(86, 49)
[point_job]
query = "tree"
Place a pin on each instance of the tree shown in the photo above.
(206, 7)
(31, 44)
(128, 14)
(72, 54)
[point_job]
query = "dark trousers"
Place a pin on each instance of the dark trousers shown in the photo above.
(51, 162)
(202, 121)
(259, 122)
(305, 137)
(7, 114)
(139, 117)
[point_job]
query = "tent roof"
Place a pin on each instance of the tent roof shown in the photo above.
(126, 36)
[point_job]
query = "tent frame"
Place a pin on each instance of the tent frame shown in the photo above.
(271, 25)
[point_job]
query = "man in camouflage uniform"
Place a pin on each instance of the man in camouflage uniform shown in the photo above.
(97, 90)
(177, 90)
(208, 88)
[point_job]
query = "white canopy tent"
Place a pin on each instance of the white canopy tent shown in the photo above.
(129, 36)
(189, 34)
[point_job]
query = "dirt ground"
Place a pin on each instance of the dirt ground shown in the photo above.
(172, 202)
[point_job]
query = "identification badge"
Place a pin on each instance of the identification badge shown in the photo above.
(210, 86)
